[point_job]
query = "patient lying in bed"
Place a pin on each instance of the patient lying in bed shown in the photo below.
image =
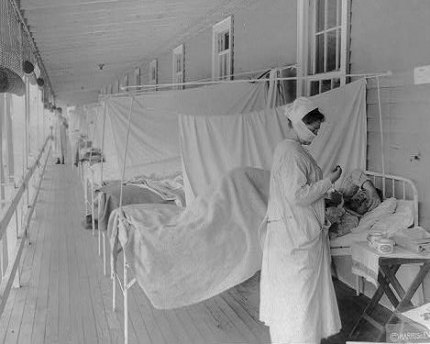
(356, 196)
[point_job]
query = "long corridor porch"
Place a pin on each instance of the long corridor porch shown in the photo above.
(65, 298)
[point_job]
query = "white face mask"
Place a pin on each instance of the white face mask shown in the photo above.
(305, 135)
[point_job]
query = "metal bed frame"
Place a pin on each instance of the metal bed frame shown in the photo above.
(391, 186)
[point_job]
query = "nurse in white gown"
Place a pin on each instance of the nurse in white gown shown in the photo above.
(297, 298)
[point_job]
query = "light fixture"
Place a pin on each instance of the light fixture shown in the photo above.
(28, 67)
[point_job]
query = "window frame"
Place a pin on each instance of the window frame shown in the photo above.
(124, 82)
(117, 85)
(153, 72)
(137, 76)
(178, 76)
(225, 25)
(306, 47)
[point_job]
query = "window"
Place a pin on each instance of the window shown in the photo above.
(153, 73)
(322, 45)
(137, 76)
(178, 66)
(124, 83)
(222, 49)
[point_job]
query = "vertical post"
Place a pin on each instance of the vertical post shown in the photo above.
(27, 116)
(104, 253)
(9, 139)
(302, 47)
(93, 219)
(113, 271)
(3, 242)
(2, 132)
(125, 153)
(101, 184)
(17, 279)
(98, 226)
(103, 140)
(43, 114)
(125, 288)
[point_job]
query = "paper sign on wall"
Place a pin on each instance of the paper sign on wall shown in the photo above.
(422, 75)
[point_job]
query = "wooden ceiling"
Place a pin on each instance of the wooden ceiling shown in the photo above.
(74, 37)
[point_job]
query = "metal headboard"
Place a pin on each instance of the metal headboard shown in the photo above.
(398, 187)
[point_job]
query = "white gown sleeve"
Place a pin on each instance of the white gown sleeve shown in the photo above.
(297, 188)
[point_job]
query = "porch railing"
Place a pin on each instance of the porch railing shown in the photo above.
(14, 233)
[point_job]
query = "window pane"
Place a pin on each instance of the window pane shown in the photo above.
(319, 56)
(326, 85)
(314, 88)
(331, 50)
(320, 15)
(226, 41)
(178, 63)
(331, 13)
(224, 65)
(336, 83)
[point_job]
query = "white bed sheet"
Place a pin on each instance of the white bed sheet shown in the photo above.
(183, 256)
(387, 223)
(345, 241)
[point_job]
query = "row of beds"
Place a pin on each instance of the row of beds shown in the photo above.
(103, 196)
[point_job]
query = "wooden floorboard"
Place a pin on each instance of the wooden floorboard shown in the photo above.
(65, 298)
(34, 250)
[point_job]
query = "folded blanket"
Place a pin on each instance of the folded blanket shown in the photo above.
(167, 189)
(181, 257)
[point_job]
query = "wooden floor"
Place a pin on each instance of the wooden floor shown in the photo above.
(64, 297)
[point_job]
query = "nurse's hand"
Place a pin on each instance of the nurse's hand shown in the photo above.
(335, 174)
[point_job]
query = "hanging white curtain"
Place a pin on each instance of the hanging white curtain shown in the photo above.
(213, 145)
(154, 137)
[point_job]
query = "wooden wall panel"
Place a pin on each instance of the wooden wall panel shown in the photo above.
(406, 124)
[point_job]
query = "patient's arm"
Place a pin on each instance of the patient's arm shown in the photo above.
(333, 199)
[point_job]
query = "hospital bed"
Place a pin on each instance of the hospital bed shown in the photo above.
(101, 183)
(181, 256)
(140, 190)
(92, 179)
(405, 215)
(403, 190)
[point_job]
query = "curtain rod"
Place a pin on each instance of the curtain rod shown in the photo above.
(153, 87)
(293, 66)
(209, 81)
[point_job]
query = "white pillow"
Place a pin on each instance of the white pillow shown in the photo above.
(402, 218)
(387, 207)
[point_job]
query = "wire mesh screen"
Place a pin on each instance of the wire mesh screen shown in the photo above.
(10, 50)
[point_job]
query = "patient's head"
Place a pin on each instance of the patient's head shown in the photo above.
(360, 202)
(357, 206)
